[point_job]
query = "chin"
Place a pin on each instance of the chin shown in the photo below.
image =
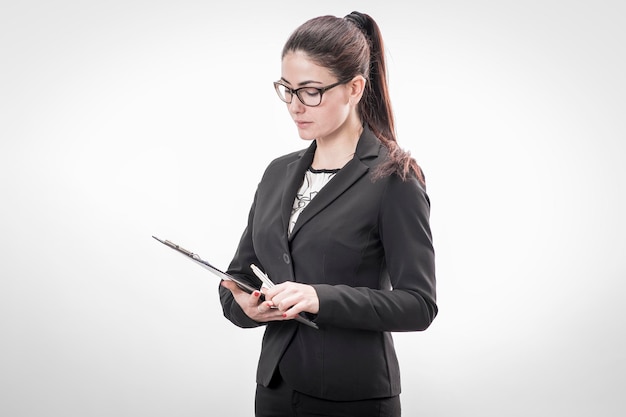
(305, 135)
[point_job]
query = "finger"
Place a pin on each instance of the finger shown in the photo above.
(285, 301)
(293, 311)
(265, 306)
(280, 289)
(253, 300)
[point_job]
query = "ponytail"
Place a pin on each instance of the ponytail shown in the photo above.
(375, 106)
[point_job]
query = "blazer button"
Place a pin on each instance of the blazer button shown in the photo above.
(286, 258)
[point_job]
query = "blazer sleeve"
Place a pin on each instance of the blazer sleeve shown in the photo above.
(410, 304)
(239, 266)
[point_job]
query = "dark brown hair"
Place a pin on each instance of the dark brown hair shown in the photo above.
(349, 47)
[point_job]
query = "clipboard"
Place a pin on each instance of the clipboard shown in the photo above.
(223, 275)
(215, 271)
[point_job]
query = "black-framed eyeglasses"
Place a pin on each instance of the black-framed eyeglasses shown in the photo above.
(309, 96)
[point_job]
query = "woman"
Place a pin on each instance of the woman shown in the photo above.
(342, 228)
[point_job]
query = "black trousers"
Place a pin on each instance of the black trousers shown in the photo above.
(279, 400)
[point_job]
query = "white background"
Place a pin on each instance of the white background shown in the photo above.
(125, 119)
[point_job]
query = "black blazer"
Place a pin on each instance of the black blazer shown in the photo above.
(366, 247)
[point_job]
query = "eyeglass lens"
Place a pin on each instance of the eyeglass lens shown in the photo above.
(309, 96)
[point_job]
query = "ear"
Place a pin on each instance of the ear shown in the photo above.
(356, 87)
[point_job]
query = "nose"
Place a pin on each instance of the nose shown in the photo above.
(296, 105)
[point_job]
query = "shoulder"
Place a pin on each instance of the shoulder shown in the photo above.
(286, 159)
(410, 191)
(279, 164)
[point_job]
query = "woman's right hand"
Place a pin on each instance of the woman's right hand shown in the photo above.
(251, 304)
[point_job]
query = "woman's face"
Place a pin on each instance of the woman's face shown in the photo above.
(327, 120)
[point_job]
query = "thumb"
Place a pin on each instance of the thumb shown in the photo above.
(230, 285)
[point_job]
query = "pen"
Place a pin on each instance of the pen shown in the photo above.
(262, 276)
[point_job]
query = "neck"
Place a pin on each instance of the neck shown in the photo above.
(336, 152)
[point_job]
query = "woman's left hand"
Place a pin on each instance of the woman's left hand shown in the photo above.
(292, 298)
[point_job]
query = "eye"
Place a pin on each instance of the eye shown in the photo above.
(311, 92)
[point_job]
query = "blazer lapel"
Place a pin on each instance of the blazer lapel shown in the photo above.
(367, 147)
(295, 176)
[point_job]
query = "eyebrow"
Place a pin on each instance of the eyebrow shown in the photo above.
(303, 83)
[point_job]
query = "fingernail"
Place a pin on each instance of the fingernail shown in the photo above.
(284, 315)
(256, 293)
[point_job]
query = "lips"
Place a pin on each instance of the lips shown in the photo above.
(301, 123)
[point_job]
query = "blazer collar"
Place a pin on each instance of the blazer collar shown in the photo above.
(367, 149)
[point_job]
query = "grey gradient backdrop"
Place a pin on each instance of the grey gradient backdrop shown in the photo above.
(124, 119)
